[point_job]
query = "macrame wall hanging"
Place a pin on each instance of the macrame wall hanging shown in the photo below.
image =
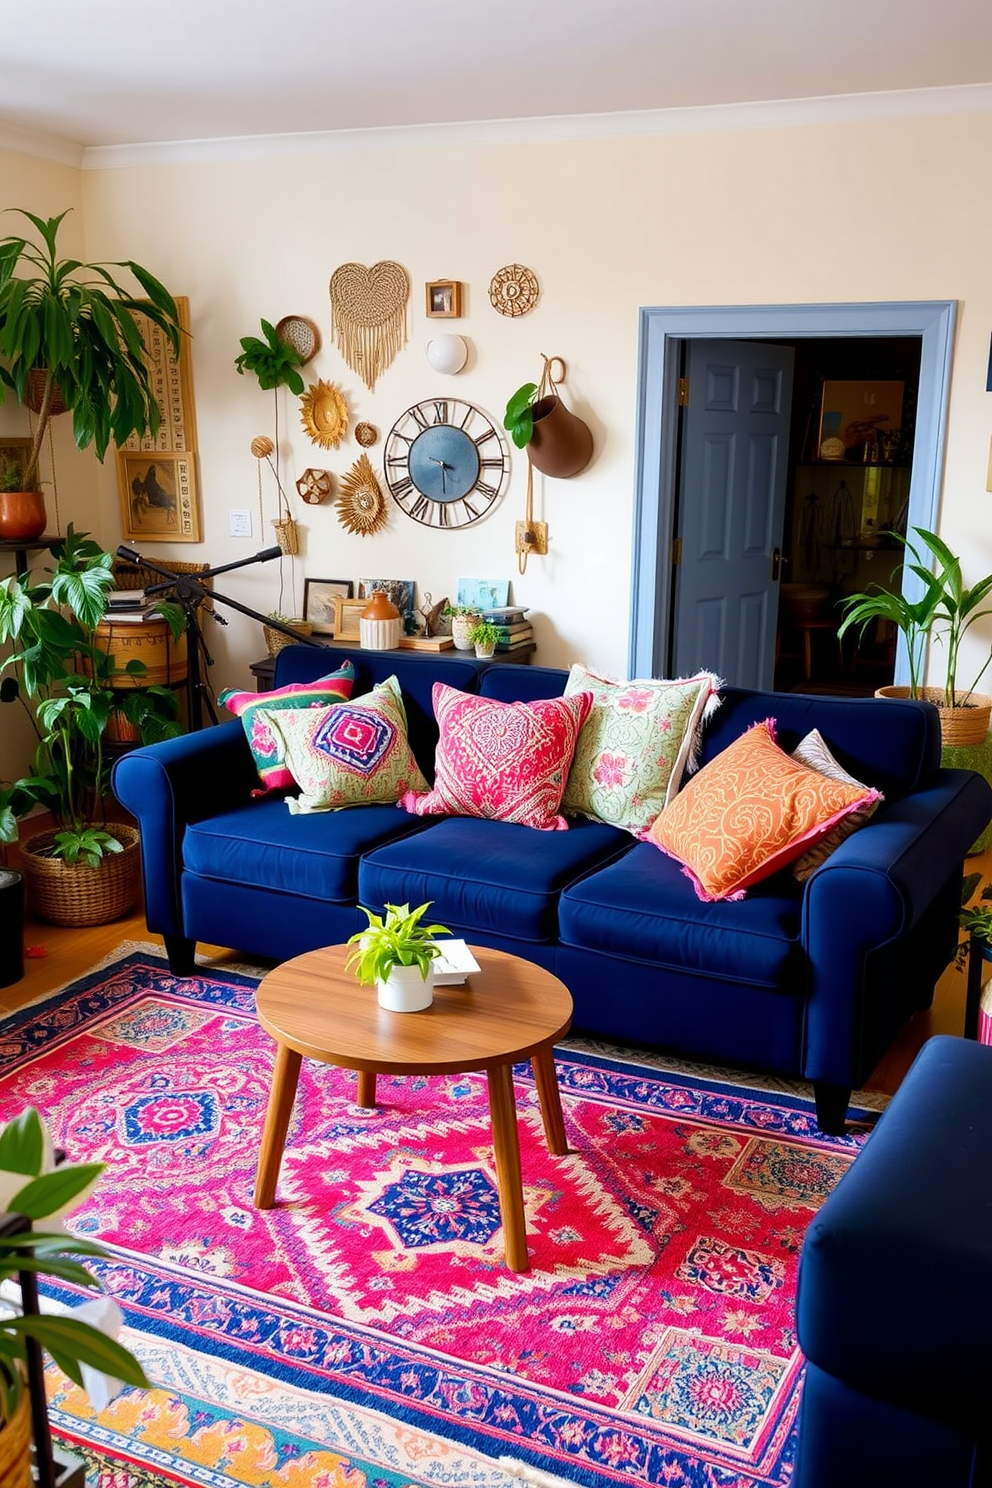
(360, 504)
(368, 315)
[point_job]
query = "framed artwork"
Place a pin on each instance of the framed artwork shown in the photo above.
(444, 299)
(14, 451)
(318, 602)
(854, 413)
(347, 618)
(158, 493)
(400, 591)
(172, 385)
(486, 594)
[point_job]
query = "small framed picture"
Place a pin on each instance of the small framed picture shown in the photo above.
(444, 299)
(14, 453)
(158, 493)
(318, 602)
(347, 616)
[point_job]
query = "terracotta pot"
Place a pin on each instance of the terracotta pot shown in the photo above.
(561, 444)
(22, 515)
(963, 725)
(379, 624)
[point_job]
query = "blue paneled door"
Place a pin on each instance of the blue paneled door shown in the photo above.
(731, 509)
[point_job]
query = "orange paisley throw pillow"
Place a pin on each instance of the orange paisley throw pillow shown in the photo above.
(749, 812)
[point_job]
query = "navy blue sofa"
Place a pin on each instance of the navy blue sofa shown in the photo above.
(809, 980)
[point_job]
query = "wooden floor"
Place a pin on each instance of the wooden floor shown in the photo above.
(71, 952)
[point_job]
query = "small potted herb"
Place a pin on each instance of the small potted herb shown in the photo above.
(484, 637)
(395, 954)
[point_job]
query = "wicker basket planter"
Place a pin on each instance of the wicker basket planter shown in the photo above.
(15, 1446)
(75, 894)
(275, 639)
(958, 726)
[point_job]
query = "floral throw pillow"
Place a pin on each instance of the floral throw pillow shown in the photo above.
(636, 745)
(350, 754)
(813, 751)
(750, 811)
(506, 761)
(253, 707)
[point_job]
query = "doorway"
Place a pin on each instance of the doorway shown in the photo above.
(911, 329)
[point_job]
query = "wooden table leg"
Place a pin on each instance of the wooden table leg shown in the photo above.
(366, 1089)
(543, 1065)
(285, 1078)
(506, 1147)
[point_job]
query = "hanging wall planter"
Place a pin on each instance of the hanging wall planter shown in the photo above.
(557, 441)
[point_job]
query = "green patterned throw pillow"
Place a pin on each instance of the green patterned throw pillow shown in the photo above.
(635, 746)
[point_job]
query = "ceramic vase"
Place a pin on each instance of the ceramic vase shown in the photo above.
(22, 516)
(405, 990)
(379, 624)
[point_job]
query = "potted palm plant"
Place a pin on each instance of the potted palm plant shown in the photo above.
(395, 954)
(84, 870)
(70, 339)
(32, 1186)
(945, 610)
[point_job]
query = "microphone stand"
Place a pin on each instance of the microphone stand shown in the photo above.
(190, 592)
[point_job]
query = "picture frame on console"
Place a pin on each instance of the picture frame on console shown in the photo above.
(347, 616)
(319, 596)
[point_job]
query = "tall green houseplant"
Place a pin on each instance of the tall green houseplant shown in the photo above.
(74, 326)
(65, 681)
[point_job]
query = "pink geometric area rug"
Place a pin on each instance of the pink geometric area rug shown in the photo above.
(651, 1341)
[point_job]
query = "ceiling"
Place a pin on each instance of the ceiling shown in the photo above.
(126, 72)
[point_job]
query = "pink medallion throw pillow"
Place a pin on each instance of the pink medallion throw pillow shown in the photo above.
(504, 761)
(264, 742)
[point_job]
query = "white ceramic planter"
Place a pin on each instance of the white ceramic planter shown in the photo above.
(405, 990)
(462, 627)
(484, 652)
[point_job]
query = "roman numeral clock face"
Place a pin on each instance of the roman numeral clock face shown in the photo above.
(445, 463)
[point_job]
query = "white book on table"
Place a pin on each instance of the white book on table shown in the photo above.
(454, 964)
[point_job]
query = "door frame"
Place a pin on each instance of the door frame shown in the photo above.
(663, 329)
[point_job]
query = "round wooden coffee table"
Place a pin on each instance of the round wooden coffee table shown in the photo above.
(511, 1010)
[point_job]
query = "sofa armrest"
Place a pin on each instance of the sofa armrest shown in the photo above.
(871, 892)
(165, 786)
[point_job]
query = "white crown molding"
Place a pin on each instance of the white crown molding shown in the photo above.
(40, 146)
(775, 114)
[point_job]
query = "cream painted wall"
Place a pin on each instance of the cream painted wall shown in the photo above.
(46, 189)
(832, 212)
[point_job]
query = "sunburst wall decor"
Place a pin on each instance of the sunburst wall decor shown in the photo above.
(324, 414)
(360, 504)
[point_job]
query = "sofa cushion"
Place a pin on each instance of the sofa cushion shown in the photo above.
(643, 908)
(502, 761)
(749, 812)
(635, 746)
(265, 744)
(813, 752)
(352, 754)
(489, 876)
(316, 856)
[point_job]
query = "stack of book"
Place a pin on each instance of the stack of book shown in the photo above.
(513, 626)
(130, 605)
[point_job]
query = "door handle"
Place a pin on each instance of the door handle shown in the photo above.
(777, 561)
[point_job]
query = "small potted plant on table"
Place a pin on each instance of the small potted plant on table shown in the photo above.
(484, 637)
(396, 954)
(464, 619)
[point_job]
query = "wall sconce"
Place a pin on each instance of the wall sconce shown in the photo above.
(447, 354)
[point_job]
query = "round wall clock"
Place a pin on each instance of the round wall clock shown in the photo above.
(445, 463)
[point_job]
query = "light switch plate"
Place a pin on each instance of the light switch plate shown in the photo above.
(239, 522)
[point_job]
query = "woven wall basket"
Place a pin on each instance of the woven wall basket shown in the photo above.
(75, 894)
(275, 639)
(15, 1446)
(958, 726)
